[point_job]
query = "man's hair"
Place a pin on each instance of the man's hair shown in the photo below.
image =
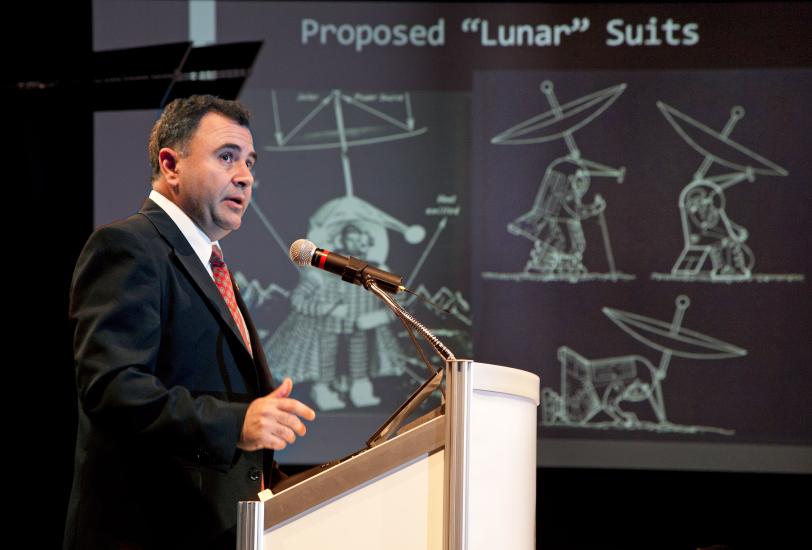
(180, 119)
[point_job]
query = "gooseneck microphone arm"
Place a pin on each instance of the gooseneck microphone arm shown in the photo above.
(370, 284)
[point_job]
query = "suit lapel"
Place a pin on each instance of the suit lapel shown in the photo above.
(190, 263)
(261, 363)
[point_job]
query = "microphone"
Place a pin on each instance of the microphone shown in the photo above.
(353, 270)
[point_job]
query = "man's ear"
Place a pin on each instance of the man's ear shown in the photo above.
(168, 161)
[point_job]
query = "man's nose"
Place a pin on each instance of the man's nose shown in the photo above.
(244, 177)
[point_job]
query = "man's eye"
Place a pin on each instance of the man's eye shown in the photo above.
(228, 157)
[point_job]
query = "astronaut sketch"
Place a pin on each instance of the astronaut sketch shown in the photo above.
(603, 385)
(626, 392)
(714, 246)
(711, 234)
(555, 222)
(338, 336)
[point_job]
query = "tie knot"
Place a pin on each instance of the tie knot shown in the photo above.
(216, 259)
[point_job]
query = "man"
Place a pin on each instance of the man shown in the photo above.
(177, 416)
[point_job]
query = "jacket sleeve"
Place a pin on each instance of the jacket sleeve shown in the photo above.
(116, 303)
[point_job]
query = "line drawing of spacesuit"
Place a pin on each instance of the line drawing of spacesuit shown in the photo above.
(596, 393)
(554, 223)
(338, 337)
(714, 246)
(327, 314)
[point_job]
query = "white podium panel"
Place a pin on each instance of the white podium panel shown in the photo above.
(490, 456)
(502, 459)
(401, 510)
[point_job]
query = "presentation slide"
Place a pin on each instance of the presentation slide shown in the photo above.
(615, 197)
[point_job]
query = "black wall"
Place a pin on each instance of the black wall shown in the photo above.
(49, 133)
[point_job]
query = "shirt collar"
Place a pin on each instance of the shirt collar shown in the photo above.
(197, 238)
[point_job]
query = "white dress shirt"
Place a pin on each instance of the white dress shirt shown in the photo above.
(197, 238)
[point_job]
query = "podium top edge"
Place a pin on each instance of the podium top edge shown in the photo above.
(507, 380)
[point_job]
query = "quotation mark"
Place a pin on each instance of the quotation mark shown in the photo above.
(580, 24)
(471, 24)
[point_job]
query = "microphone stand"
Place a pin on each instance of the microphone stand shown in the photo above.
(439, 347)
(428, 387)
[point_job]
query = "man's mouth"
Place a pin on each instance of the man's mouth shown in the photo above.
(237, 201)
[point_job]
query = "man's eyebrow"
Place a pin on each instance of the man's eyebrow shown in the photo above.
(252, 155)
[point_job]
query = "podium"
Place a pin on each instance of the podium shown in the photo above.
(462, 477)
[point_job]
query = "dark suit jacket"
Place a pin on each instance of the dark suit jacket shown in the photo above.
(164, 381)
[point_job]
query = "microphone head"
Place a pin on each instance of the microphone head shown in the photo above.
(301, 251)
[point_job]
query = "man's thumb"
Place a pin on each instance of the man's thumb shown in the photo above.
(283, 389)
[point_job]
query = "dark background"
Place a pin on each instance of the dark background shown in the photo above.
(49, 208)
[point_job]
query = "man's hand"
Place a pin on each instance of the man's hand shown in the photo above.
(272, 422)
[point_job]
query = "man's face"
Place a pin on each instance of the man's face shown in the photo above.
(214, 177)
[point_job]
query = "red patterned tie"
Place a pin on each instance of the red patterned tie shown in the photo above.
(223, 281)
